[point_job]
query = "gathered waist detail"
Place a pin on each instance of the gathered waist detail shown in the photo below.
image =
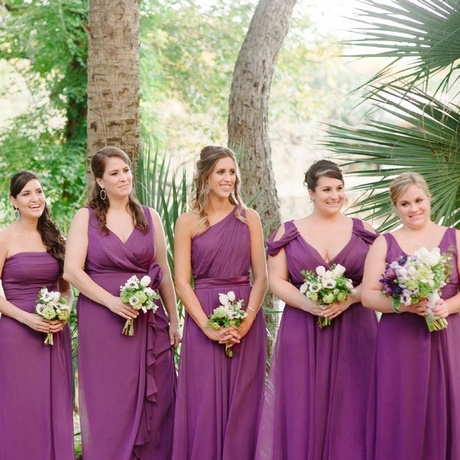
(216, 282)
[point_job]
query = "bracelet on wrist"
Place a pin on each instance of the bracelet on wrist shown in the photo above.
(395, 305)
(252, 311)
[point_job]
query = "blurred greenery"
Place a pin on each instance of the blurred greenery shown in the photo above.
(188, 51)
(165, 190)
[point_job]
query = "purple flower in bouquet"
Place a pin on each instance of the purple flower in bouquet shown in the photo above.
(421, 275)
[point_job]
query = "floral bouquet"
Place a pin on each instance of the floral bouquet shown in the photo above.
(228, 313)
(326, 287)
(140, 296)
(50, 305)
(419, 276)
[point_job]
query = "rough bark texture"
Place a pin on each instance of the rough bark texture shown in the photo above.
(248, 118)
(113, 77)
(249, 102)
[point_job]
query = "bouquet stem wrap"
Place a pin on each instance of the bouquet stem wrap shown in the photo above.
(433, 322)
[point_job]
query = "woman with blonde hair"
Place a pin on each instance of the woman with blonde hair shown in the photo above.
(219, 245)
(414, 409)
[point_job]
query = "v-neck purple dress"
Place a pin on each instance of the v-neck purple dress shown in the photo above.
(36, 385)
(219, 399)
(126, 383)
(414, 411)
(316, 398)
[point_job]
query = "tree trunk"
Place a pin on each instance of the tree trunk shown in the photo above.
(113, 77)
(248, 107)
(248, 119)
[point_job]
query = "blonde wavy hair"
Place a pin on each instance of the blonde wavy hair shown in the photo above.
(402, 182)
(209, 156)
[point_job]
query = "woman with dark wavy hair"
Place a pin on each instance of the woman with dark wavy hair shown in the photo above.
(219, 244)
(35, 379)
(126, 382)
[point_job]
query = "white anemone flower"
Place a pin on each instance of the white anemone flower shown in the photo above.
(133, 301)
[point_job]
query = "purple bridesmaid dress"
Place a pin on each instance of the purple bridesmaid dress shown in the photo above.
(36, 385)
(126, 383)
(414, 411)
(219, 398)
(316, 398)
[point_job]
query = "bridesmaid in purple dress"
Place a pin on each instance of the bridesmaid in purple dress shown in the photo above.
(36, 420)
(316, 397)
(414, 411)
(126, 383)
(219, 244)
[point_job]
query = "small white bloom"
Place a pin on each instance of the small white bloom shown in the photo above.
(430, 258)
(55, 296)
(231, 296)
(145, 281)
(133, 301)
(132, 282)
(338, 270)
(320, 270)
(223, 299)
(329, 283)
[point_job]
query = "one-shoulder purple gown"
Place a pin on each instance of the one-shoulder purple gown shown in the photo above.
(316, 398)
(414, 411)
(36, 386)
(126, 383)
(219, 398)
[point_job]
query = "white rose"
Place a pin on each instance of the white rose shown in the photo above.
(430, 258)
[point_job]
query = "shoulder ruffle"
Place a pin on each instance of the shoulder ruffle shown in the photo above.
(361, 232)
(290, 234)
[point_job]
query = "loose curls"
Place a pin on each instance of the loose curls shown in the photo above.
(51, 236)
(209, 156)
(98, 165)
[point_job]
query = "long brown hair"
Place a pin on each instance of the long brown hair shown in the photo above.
(98, 165)
(50, 234)
(209, 156)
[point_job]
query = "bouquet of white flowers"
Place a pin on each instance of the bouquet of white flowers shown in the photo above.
(418, 276)
(50, 305)
(228, 313)
(326, 287)
(140, 296)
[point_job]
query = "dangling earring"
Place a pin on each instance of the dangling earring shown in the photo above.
(16, 213)
(103, 194)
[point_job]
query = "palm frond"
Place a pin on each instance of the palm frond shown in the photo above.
(425, 33)
(165, 191)
(421, 134)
